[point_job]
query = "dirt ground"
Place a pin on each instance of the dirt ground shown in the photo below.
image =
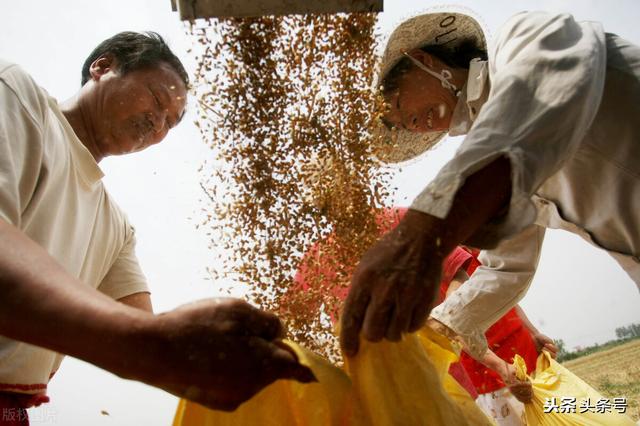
(614, 373)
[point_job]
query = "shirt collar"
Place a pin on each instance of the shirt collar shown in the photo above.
(473, 95)
(88, 168)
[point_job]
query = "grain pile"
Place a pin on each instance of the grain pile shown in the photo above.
(286, 105)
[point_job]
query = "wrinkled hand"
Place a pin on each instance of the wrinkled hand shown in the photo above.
(393, 286)
(522, 390)
(219, 353)
(545, 342)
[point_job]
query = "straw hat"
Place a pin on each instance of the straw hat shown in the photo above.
(442, 28)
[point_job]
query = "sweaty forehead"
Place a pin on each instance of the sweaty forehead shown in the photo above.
(169, 77)
(168, 81)
(160, 74)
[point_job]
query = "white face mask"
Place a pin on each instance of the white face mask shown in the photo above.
(444, 76)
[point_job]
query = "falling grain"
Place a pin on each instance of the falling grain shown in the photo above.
(287, 104)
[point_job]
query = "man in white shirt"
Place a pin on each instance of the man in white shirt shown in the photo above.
(67, 250)
(553, 141)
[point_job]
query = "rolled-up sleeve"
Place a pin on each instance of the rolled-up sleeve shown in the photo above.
(125, 277)
(547, 76)
(493, 289)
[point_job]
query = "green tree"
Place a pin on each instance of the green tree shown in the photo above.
(621, 332)
(628, 332)
(562, 350)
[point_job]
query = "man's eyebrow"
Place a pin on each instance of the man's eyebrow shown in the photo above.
(167, 93)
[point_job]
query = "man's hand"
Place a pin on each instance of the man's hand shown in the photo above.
(217, 352)
(393, 287)
(545, 342)
(397, 279)
(522, 390)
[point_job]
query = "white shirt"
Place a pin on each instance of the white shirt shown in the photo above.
(564, 107)
(51, 189)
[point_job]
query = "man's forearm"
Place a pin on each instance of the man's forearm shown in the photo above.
(141, 300)
(217, 352)
(40, 303)
(401, 272)
(482, 197)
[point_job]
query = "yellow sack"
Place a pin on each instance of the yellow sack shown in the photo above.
(567, 398)
(397, 384)
(284, 402)
(386, 384)
(443, 352)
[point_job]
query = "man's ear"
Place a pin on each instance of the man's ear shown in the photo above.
(101, 66)
(422, 56)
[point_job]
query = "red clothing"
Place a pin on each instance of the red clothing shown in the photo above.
(459, 258)
(322, 267)
(507, 337)
(13, 410)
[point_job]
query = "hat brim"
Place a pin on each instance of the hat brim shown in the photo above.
(392, 146)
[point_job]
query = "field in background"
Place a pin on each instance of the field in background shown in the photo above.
(614, 373)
